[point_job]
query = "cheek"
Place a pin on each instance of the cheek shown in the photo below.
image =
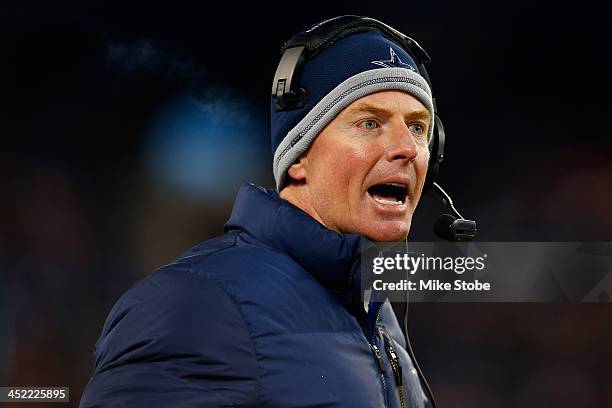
(424, 161)
(421, 166)
(341, 165)
(354, 164)
(339, 173)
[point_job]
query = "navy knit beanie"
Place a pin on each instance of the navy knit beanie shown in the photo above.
(353, 67)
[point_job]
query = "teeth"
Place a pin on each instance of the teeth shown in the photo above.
(385, 201)
(388, 195)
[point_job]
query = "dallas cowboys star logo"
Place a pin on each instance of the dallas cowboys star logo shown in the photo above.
(393, 62)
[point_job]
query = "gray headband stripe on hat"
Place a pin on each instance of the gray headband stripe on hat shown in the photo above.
(299, 138)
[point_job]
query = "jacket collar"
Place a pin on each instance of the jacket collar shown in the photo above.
(333, 259)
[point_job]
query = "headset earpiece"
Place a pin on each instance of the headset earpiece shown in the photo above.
(436, 153)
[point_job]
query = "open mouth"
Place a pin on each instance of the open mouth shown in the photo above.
(389, 193)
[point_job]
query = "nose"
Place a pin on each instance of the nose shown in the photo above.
(400, 144)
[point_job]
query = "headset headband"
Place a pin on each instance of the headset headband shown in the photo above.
(307, 44)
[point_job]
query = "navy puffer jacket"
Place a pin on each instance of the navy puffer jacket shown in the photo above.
(266, 315)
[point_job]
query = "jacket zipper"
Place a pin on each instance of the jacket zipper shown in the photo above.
(381, 369)
(378, 357)
(371, 330)
(395, 367)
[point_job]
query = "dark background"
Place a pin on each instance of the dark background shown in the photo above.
(127, 129)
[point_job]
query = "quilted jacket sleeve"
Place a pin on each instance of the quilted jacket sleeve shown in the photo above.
(174, 340)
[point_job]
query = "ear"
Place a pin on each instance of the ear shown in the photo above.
(298, 170)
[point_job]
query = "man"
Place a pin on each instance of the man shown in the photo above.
(271, 313)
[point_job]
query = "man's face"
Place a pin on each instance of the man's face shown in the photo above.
(364, 173)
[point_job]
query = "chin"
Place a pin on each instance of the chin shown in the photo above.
(387, 231)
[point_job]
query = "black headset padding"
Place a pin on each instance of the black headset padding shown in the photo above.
(436, 153)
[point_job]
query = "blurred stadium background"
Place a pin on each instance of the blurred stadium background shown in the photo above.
(127, 129)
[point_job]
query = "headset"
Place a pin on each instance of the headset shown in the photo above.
(287, 95)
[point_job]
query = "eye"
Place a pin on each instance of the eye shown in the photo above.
(368, 124)
(417, 129)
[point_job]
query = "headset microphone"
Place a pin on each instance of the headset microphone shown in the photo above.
(452, 227)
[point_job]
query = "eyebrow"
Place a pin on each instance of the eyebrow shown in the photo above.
(363, 107)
